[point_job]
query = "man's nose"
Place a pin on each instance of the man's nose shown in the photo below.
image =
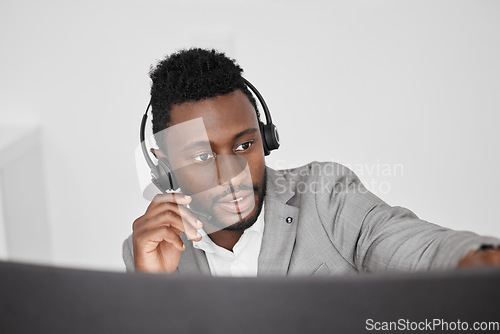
(231, 169)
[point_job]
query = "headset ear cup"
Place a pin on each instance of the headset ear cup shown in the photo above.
(165, 177)
(264, 140)
(272, 137)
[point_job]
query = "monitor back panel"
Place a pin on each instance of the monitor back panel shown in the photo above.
(38, 299)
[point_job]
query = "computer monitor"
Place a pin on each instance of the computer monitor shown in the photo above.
(40, 299)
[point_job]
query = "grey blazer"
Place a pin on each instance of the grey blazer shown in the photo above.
(320, 220)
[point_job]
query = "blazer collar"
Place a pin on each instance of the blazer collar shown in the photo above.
(278, 186)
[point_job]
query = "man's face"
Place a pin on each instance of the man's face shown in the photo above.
(217, 157)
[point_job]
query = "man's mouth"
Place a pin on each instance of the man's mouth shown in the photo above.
(237, 202)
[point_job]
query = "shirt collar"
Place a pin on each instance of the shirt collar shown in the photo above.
(208, 246)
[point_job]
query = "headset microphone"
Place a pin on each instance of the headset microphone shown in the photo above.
(161, 173)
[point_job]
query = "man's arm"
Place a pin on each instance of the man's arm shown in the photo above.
(394, 238)
(376, 237)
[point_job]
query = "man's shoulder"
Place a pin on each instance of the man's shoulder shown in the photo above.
(313, 180)
(312, 171)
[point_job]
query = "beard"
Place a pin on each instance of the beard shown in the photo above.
(243, 223)
(248, 221)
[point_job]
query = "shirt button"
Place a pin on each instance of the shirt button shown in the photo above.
(289, 220)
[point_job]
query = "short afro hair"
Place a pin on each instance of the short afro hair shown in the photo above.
(192, 75)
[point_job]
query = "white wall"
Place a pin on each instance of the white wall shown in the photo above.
(412, 84)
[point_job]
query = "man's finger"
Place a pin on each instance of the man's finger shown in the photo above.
(170, 218)
(170, 197)
(149, 240)
(180, 210)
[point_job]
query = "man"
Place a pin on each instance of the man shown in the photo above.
(234, 216)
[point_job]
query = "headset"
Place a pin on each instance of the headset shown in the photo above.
(161, 174)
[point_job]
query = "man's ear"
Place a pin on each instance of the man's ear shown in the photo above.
(158, 153)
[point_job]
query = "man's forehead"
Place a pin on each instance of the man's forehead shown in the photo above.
(181, 134)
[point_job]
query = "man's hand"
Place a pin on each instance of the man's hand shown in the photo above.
(157, 245)
(482, 257)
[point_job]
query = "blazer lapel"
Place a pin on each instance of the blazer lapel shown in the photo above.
(280, 226)
(193, 260)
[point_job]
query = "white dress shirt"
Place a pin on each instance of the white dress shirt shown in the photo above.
(243, 260)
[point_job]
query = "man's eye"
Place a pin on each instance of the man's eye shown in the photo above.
(244, 146)
(203, 157)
